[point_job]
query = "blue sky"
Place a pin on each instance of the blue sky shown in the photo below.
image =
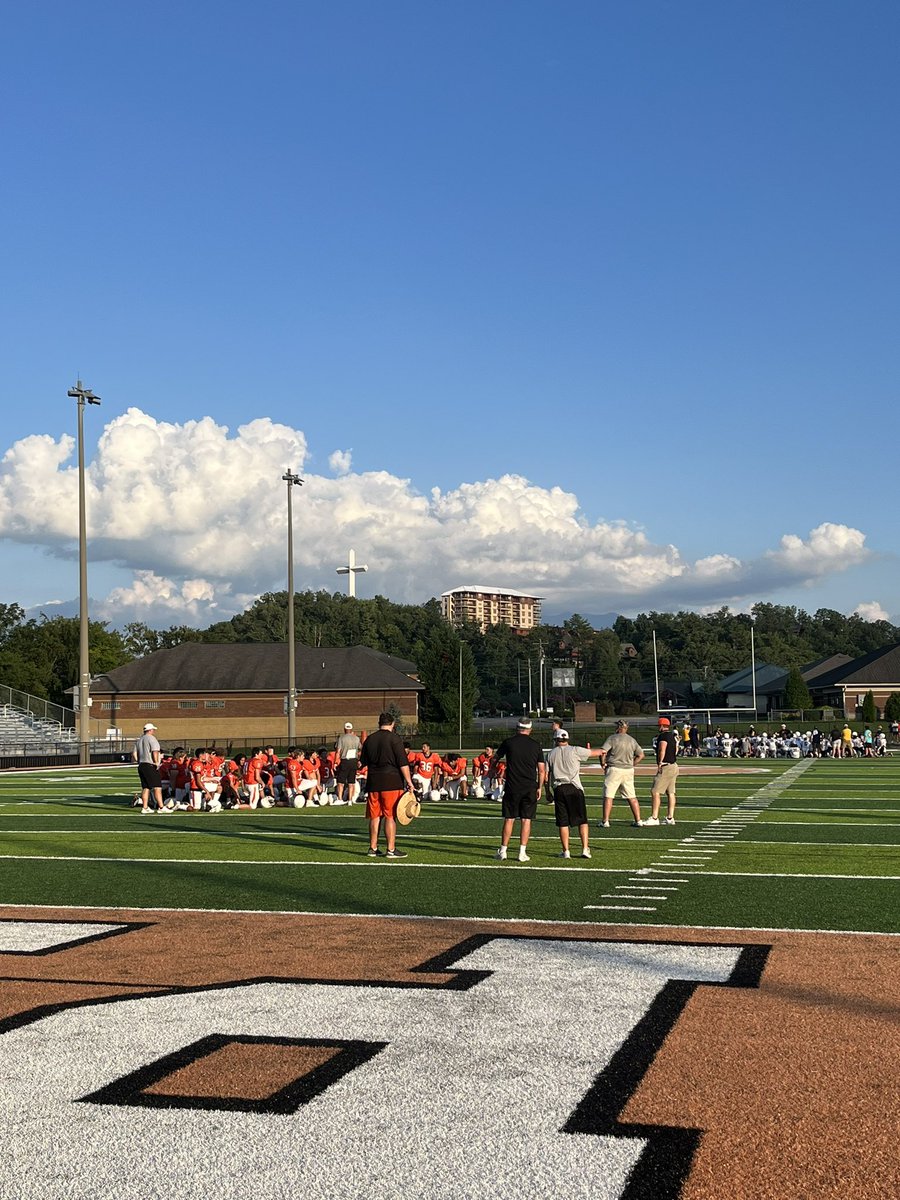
(620, 281)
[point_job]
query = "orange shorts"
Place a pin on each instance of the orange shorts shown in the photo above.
(382, 804)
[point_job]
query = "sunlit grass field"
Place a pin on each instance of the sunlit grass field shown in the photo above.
(810, 845)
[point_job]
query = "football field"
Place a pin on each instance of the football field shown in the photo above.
(243, 1003)
(812, 845)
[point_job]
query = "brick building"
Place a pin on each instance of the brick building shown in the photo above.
(234, 693)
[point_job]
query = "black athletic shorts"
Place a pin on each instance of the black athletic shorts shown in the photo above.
(520, 806)
(346, 771)
(149, 774)
(571, 808)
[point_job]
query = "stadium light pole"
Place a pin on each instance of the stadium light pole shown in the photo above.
(82, 396)
(292, 481)
(753, 665)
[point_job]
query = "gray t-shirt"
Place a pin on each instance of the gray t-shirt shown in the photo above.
(348, 746)
(565, 763)
(145, 747)
(621, 750)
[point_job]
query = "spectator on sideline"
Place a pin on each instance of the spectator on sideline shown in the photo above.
(147, 754)
(525, 775)
(666, 775)
(384, 756)
(346, 761)
(564, 765)
(620, 754)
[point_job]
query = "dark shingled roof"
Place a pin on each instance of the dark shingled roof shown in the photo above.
(876, 669)
(258, 667)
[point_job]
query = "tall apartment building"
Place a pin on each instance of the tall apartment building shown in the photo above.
(491, 606)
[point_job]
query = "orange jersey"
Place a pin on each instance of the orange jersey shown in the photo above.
(179, 773)
(309, 769)
(482, 764)
(252, 768)
(454, 770)
(427, 765)
(198, 770)
(293, 768)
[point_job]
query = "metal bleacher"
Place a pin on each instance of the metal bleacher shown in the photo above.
(26, 732)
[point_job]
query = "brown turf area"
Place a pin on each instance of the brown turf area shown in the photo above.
(794, 1084)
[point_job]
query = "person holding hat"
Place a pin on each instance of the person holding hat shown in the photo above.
(525, 774)
(666, 773)
(620, 754)
(384, 756)
(568, 793)
(346, 760)
(147, 754)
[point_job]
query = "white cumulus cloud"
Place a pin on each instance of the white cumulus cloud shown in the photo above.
(196, 514)
(871, 610)
(341, 461)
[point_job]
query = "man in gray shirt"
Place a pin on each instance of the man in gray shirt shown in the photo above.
(620, 754)
(347, 747)
(147, 754)
(568, 794)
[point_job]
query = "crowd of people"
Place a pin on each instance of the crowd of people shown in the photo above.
(383, 770)
(786, 743)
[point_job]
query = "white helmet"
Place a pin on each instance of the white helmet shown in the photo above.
(434, 795)
(215, 804)
(266, 802)
(478, 791)
(299, 800)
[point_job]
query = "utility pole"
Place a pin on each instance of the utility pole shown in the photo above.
(83, 396)
(292, 481)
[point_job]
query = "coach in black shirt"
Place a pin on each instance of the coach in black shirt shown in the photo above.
(666, 777)
(525, 772)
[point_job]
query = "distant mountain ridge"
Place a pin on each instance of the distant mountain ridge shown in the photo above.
(596, 620)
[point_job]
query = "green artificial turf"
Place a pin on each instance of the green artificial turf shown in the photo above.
(824, 853)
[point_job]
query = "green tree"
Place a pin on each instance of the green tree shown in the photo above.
(796, 693)
(892, 707)
(869, 711)
(42, 657)
(439, 671)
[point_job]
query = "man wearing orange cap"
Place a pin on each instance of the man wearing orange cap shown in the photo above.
(666, 773)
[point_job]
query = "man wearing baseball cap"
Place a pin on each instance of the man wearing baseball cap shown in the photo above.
(666, 772)
(147, 754)
(346, 749)
(564, 764)
(525, 773)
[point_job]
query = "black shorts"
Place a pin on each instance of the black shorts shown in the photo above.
(149, 775)
(346, 771)
(520, 806)
(571, 807)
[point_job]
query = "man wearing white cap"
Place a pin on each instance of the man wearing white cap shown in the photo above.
(525, 773)
(347, 751)
(568, 792)
(147, 754)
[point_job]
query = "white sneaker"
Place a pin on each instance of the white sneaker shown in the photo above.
(651, 820)
(523, 857)
(604, 824)
(640, 824)
(670, 820)
(564, 854)
(585, 854)
(501, 854)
